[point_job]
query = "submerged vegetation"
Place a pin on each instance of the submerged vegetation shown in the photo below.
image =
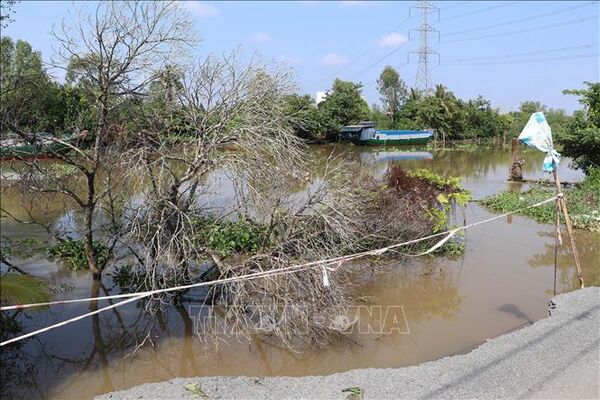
(227, 237)
(449, 194)
(583, 202)
(72, 253)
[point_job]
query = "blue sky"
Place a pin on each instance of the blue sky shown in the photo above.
(506, 51)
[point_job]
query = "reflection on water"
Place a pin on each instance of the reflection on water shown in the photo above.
(383, 156)
(503, 281)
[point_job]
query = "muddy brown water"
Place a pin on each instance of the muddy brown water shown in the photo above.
(435, 306)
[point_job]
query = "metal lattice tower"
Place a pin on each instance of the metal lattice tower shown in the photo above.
(425, 52)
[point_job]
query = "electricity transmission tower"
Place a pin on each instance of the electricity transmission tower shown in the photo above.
(423, 79)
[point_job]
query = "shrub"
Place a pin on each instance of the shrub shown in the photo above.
(227, 237)
(581, 138)
(72, 253)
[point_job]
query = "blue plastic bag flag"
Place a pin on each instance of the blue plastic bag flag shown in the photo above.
(537, 134)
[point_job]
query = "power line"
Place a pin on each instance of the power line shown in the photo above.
(461, 60)
(363, 54)
(529, 18)
(380, 60)
(587, 55)
(462, 3)
(481, 10)
(538, 28)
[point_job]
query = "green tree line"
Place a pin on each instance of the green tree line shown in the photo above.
(32, 100)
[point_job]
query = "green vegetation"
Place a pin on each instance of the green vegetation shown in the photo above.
(30, 99)
(195, 390)
(451, 248)
(434, 197)
(72, 253)
(392, 90)
(22, 248)
(62, 170)
(450, 193)
(452, 183)
(450, 117)
(342, 106)
(129, 279)
(21, 289)
(583, 203)
(304, 116)
(354, 393)
(227, 237)
(581, 138)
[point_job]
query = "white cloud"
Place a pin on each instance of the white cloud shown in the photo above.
(200, 9)
(333, 60)
(392, 40)
(261, 37)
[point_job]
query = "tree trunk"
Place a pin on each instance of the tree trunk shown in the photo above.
(90, 254)
(90, 206)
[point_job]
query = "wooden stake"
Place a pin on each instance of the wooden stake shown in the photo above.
(513, 154)
(565, 212)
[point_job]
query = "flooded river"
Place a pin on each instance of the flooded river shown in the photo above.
(445, 306)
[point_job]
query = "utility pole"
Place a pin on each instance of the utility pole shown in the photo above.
(423, 79)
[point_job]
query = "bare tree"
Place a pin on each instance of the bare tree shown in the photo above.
(234, 119)
(115, 51)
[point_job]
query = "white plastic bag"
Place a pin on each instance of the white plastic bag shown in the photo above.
(537, 134)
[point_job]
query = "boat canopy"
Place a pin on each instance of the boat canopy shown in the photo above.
(352, 128)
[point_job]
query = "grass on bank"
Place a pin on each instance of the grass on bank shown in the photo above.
(583, 203)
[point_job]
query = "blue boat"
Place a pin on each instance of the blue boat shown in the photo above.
(365, 134)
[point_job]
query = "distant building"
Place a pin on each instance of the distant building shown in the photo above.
(320, 97)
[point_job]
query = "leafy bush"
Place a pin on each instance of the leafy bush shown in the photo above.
(343, 105)
(582, 145)
(229, 237)
(581, 138)
(452, 183)
(72, 253)
(439, 218)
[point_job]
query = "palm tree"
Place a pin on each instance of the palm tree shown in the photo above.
(446, 103)
(414, 94)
